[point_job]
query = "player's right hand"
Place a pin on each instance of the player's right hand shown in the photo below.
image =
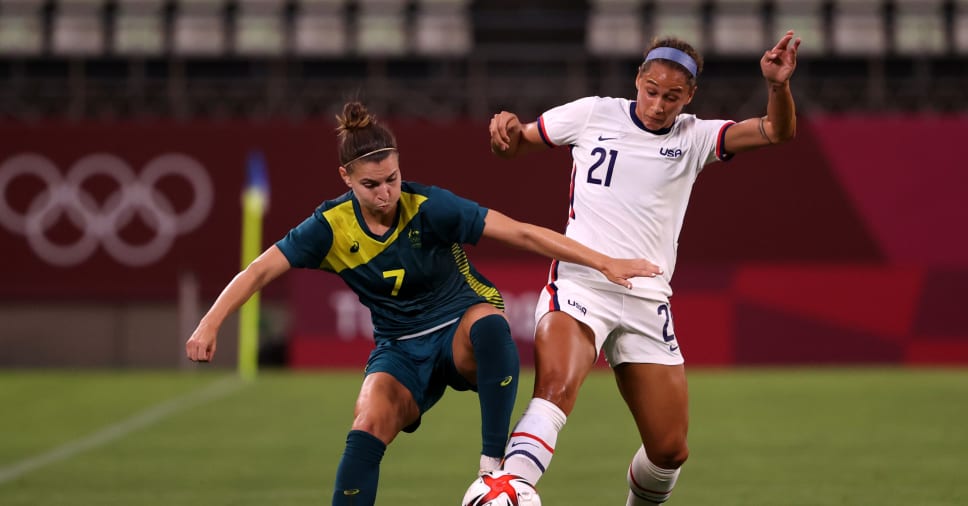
(201, 346)
(504, 126)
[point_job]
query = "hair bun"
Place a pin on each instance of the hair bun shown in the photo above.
(354, 117)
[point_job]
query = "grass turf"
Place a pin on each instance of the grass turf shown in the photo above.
(758, 437)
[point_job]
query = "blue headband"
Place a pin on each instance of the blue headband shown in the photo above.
(673, 54)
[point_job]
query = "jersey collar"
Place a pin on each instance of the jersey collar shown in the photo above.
(361, 221)
(638, 122)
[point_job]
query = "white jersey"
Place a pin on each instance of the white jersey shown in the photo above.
(630, 186)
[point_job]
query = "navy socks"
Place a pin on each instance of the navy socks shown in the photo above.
(498, 368)
(359, 470)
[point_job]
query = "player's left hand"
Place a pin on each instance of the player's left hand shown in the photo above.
(779, 62)
(621, 270)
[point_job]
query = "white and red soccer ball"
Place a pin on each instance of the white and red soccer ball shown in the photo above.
(500, 488)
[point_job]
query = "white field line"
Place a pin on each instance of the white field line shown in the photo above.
(118, 430)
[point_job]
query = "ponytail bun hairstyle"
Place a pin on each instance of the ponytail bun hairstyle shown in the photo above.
(361, 136)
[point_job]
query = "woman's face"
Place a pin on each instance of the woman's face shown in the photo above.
(376, 185)
(663, 90)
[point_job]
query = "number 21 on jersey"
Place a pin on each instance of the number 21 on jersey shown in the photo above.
(602, 155)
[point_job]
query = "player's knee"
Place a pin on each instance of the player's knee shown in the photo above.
(383, 424)
(490, 329)
(558, 391)
(669, 456)
(495, 352)
(369, 424)
(559, 382)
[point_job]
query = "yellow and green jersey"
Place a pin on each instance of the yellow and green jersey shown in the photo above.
(415, 278)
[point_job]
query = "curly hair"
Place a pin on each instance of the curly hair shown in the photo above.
(681, 45)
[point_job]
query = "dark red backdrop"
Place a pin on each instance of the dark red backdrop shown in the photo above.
(846, 245)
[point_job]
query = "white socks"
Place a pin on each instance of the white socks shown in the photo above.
(488, 464)
(648, 483)
(532, 443)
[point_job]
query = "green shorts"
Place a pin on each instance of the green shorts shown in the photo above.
(424, 365)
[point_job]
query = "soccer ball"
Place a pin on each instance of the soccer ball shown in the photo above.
(500, 488)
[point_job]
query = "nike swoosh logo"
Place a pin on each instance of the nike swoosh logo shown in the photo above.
(603, 138)
(673, 347)
(522, 443)
(352, 491)
(507, 381)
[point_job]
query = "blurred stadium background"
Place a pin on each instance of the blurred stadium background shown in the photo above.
(845, 247)
(256, 59)
(851, 232)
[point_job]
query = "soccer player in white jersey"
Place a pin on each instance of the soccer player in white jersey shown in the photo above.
(635, 162)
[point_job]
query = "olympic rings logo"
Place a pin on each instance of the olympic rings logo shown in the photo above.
(101, 224)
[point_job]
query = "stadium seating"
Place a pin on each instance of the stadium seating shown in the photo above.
(961, 27)
(78, 28)
(616, 27)
(464, 56)
(858, 28)
(442, 28)
(199, 28)
(447, 28)
(738, 28)
(139, 28)
(319, 28)
(919, 27)
(21, 27)
(381, 28)
(681, 18)
(804, 16)
(260, 28)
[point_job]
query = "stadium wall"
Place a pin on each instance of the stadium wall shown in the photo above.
(845, 246)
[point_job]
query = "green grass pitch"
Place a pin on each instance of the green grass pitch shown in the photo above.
(758, 437)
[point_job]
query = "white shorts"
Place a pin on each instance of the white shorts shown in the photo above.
(629, 329)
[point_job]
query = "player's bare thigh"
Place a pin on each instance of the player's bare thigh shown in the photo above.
(657, 395)
(384, 407)
(463, 350)
(564, 355)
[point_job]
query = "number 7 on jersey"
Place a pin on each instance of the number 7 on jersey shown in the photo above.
(397, 275)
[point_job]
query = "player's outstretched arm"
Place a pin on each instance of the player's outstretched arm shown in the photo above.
(780, 123)
(509, 138)
(551, 244)
(200, 347)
